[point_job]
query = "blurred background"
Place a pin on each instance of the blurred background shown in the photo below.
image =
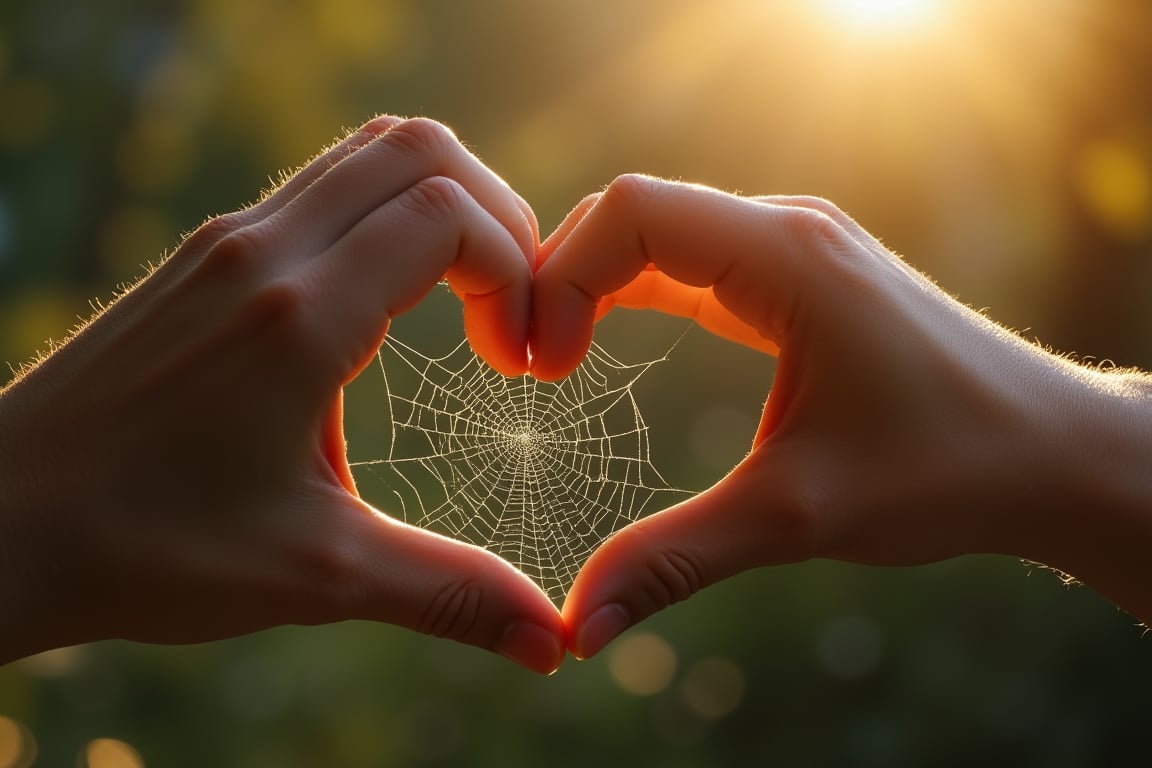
(1004, 148)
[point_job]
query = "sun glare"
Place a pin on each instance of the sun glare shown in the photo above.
(886, 13)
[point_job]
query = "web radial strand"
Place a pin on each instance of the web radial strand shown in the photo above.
(539, 473)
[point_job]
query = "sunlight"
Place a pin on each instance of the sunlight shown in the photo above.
(886, 14)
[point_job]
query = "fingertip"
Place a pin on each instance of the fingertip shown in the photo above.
(604, 625)
(596, 610)
(551, 363)
(560, 333)
(533, 646)
(642, 569)
(497, 328)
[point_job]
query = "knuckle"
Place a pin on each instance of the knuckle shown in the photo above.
(811, 226)
(438, 198)
(820, 204)
(212, 231)
(820, 236)
(629, 190)
(278, 310)
(454, 611)
(222, 225)
(423, 136)
(235, 255)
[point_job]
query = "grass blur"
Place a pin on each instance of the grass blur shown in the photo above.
(1004, 148)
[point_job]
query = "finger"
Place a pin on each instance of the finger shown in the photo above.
(395, 573)
(299, 181)
(743, 522)
(529, 216)
(754, 256)
(392, 258)
(214, 230)
(411, 151)
(827, 208)
(566, 226)
(652, 289)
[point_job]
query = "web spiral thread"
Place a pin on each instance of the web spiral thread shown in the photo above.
(540, 473)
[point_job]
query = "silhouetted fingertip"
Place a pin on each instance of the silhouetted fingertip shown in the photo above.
(505, 363)
(504, 355)
(543, 371)
(599, 629)
(551, 362)
(531, 646)
(497, 330)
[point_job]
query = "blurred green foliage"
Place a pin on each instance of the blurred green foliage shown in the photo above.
(1005, 148)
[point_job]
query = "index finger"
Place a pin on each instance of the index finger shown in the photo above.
(652, 289)
(744, 254)
(395, 160)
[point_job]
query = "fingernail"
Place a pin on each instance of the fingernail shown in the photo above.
(601, 628)
(531, 646)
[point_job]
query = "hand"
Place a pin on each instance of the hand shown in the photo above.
(176, 472)
(902, 427)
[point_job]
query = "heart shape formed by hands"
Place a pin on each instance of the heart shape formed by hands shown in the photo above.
(540, 473)
(772, 274)
(481, 464)
(204, 409)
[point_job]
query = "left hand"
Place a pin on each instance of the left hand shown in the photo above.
(176, 472)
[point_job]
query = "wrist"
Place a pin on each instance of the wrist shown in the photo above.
(1100, 516)
(32, 556)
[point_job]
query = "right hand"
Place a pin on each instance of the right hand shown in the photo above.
(902, 427)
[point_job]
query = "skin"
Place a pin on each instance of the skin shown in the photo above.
(902, 427)
(198, 420)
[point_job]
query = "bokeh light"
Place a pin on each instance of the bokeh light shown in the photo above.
(642, 663)
(1005, 148)
(17, 745)
(110, 753)
(713, 688)
(1115, 182)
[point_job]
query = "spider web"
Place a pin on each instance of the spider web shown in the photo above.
(541, 473)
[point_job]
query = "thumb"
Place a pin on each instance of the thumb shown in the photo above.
(432, 584)
(755, 516)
